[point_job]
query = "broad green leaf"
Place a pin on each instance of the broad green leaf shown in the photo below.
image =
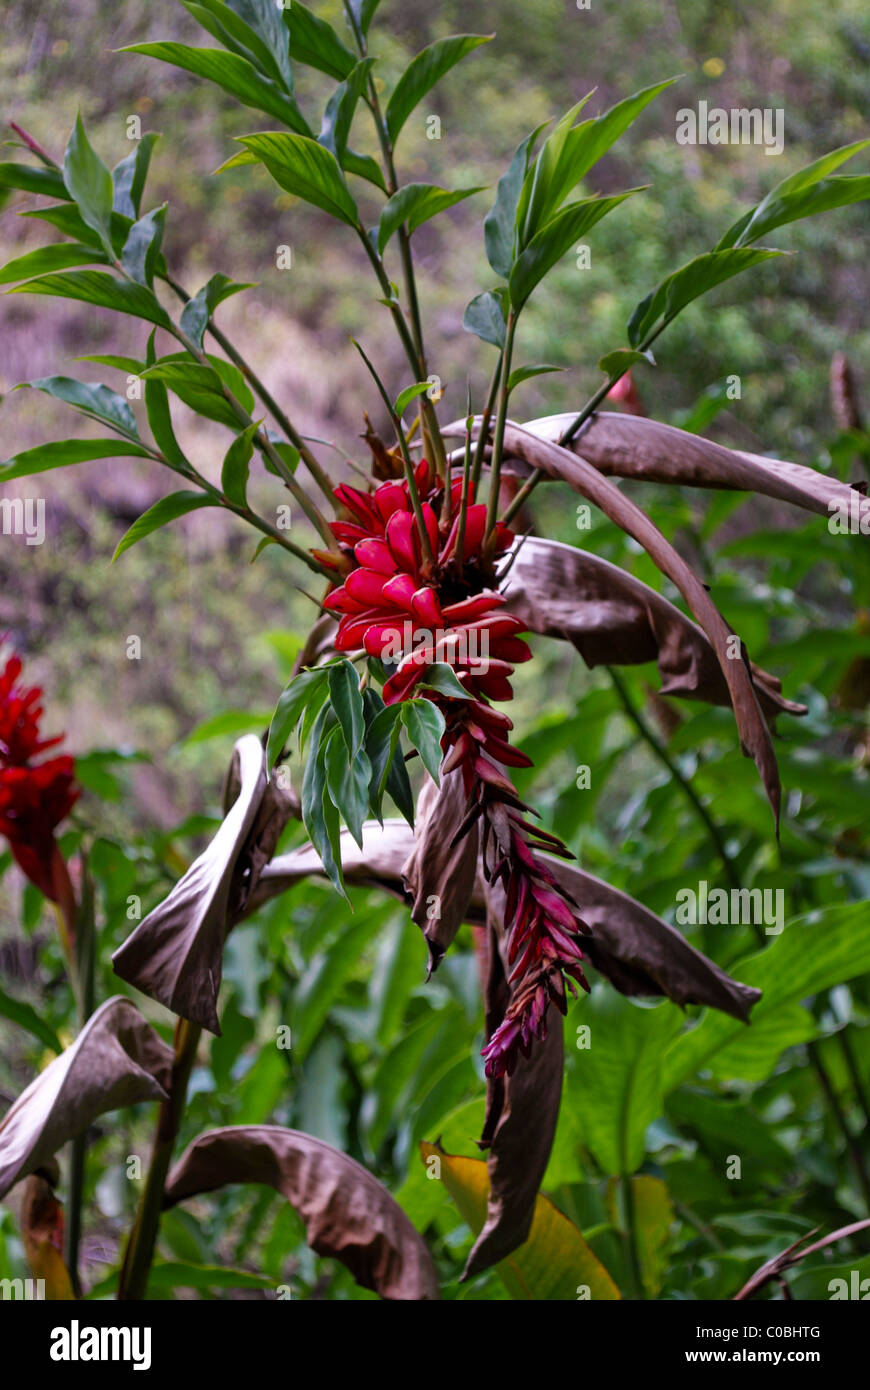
(827, 947)
(425, 725)
(499, 227)
(365, 167)
(298, 694)
(63, 452)
(692, 280)
(32, 180)
(422, 73)
(199, 309)
(484, 316)
(316, 806)
(382, 740)
(398, 785)
(167, 509)
(443, 678)
(315, 43)
(653, 1216)
(142, 248)
(230, 722)
(347, 704)
(25, 1016)
(97, 287)
(326, 978)
(410, 393)
(521, 374)
(231, 30)
(128, 177)
(550, 244)
(266, 18)
(46, 259)
(92, 399)
(341, 108)
(621, 359)
(347, 781)
(66, 219)
(237, 460)
(555, 1260)
(164, 1276)
(800, 195)
(89, 183)
(414, 204)
(305, 168)
(231, 72)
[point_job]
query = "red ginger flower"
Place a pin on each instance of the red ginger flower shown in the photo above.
(34, 797)
(392, 593)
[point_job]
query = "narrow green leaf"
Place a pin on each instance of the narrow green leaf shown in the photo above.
(64, 452)
(315, 43)
(139, 257)
(237, 461)
(231, 72)
(319, 816)
(26, 1017)
(499, 227)
(341, 108)
(159, 415)
(347, 781)
(32, 180)
(91, 398)
(199, 309)
(521, 374)
(199, 386)
(363, 12)
(128, 177)
(422, 73)
(130, 365)
(410, 393)
(66, 219)
(415, 204)
(299, 694)
(425, 725)
(97, 287)
(305, 168)
(800, 195)
(556, 237)
(688, 283)
(382, 740)
(347, 703)
(231, 30)
(46, 259)
(484, 315)
(167, 509)
(89, 183)
(622, 358)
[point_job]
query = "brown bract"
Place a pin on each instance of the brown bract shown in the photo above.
(175, 954)
(117, 1060)
(440, 871)
(348, 1215)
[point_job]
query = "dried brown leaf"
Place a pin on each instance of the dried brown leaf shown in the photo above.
(438, 874)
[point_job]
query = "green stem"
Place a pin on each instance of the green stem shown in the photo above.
(480, 447)
(852, 1145)
(500, 422)
(631, 1235)
(133, 1284)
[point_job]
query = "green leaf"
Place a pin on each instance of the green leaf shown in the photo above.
(89, 183)
(318, 814)
(142, 247)
(96, 287)
(416, 203)
(803, 194)
(199, 386)
(382, 740)
(266, 18)
(198, 310)
(163, 1277)
(231, 72)
(688, 283)
(484, 315)
(159, 416)
(47, 259)
(167, 509)
(128, 177)
(410, 393)
(341, 107)
(326, 980)
(237, 460)
(270, 55)
(26, 1017)
(130, 365)
(425, 725)
(347, 704)
(315, 43)
(621, 359)
(444, 679)
(365, 167)
(93, 399)
(347, 781)
(305, 168)
(423, 72)
(363, 12)
(66, 219)
(499, 227)
(31, 180)
(63, 452)
(521, 374)
(229, 723)
(298, 694)
(399, 785)
(539, 177)
(550, 244)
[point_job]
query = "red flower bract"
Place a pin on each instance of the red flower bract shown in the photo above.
(34, 796)
(413, 613)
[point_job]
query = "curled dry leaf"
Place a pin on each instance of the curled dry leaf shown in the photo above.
(440, 871)
(614, 619)
(348, 1215)
(175, 954)
(629, 446)
(561, 463)
(42, 1231)
(775, 1268)
(117, 1060)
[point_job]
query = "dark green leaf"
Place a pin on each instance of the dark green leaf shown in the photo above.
(443, 678)
(363, 12)
(347, 781)
(319, 816)
(167, 509)
(622, 358)
(97, 287)
(499, 228)
(231, 72)
(484, 315)
(299, 694)
(66, 218)
(237, 460)
(47, 259)
(521, 374)
(341, 107)
(142, 248)
(315, 43)
(800, 195)
(30, 180)
(199, 386)
(425, 725)
(415, 204)
(422, 73)
(305, 168)
(347, 704)
(687, 283)
(64, 452)
(159, 416)
(231, 30)
(198, 310)
(92, 399)
(382, 740)
(550, 244)
(128, 177)
(89, 183)
(27, 1017)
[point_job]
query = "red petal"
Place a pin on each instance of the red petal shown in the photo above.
(376, 555)
(400, 590)
(426, 607)
(390, 498)
(366, 586)
(400, 538)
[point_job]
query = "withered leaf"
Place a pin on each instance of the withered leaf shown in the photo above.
(175, 954)
(614, 619)
(561, 463)
(438, 874)
(348, 1215)
(117, 1060)
(42, 1227)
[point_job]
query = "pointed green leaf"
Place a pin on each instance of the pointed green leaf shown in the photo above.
(444, 679)
(499, 227)
(347, 703)
(31, 180)
(341, 108)
(363, 12)
(92, 399)
(422, 73)
(299, 694)
(63, 452)
(425, 725)
(97, 287)
(25, 1016)
(60, 256)
(198, 310)
(231, 72)
(410, 393)
(484, 315)
(382, 740)
(142, 247)
(315, 43)
(89, 183)
(237, 461)
(521, 374)
(555, 238)
(167, 509)
(622, 358)
(416, 203)
(159, 415)
(66, 219)
(231, 30)
(688, 283)
(128, 177)
(305, 168)
(199, 386)
(800, 195)
(347, 781)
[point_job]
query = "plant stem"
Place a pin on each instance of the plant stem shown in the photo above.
(664, 757)
(139, 1253)
(485, 418)
(631, 1234)
(500, 422)
(852, 1144)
